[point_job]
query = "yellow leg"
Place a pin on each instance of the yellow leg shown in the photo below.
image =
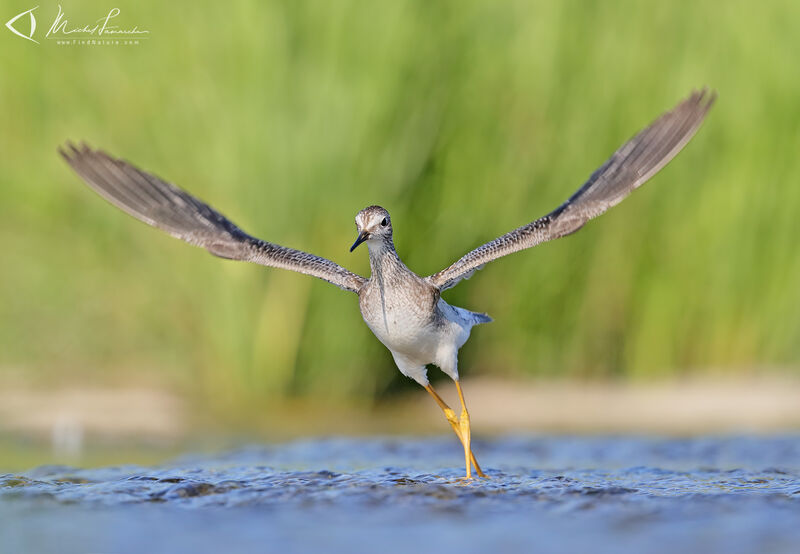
(456, 424)
(466, 437)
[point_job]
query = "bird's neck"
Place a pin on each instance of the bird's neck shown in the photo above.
(383, 257)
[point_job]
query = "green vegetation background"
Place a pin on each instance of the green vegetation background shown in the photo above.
(464, 119)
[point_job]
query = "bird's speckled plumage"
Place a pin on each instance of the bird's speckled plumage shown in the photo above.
(628, 168)
(167, 207)
(404, 311)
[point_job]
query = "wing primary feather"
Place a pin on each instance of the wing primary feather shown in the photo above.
(171, 209)
(628, 168)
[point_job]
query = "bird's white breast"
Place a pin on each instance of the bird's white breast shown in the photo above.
(404, 318)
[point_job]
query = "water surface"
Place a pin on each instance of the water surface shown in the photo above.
(598, 494)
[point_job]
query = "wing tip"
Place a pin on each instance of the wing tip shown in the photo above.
(703, 98)
(72, 153)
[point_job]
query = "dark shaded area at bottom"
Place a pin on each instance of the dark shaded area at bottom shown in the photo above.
(548, 494)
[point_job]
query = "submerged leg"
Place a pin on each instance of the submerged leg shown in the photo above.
(456, 424)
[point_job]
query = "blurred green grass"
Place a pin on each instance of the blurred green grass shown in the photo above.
(464, 120)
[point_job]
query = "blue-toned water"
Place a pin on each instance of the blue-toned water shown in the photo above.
(546, 494)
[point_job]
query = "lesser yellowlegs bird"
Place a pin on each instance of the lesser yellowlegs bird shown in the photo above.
(404, 311)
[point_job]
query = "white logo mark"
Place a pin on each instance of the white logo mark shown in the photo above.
(10, 25)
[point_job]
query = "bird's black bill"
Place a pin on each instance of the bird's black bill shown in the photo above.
(361, 238)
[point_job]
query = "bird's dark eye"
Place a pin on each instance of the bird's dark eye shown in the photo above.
(384, 223)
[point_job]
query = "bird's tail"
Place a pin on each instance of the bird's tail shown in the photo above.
(473, 317)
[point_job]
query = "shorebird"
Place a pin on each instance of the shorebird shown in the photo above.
(405, 311)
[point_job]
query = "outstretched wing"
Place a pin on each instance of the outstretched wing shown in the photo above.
(630, 167)
(163, 205)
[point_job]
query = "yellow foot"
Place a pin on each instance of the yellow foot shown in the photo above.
(458, 425)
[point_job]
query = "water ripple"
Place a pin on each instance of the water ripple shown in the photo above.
(738, 494)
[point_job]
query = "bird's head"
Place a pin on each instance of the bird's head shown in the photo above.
(373, 225)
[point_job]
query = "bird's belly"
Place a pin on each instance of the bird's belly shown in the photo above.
(405, 331)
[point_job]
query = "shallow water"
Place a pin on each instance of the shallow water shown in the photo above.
(598, 494)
